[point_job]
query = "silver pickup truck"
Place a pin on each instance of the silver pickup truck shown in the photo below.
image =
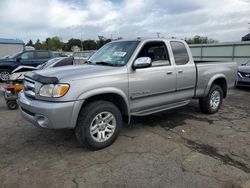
(122, 79)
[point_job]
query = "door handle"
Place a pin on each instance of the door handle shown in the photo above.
(169, 72)
(180, 71)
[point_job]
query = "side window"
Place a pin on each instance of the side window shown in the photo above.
(157, 51)
(180, 53)
(27, 55)
(64, 62)
(42, 55)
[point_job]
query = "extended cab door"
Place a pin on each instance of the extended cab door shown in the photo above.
(185, 71)
(152, 87)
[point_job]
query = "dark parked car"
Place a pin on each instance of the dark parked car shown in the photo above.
(29, 58)
(243, 78)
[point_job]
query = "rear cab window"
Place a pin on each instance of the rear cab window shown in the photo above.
(157, 51)
(181, 56)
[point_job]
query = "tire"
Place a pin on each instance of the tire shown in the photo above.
(212, 102)
(12, 105)
(4, 75)
(92, 117)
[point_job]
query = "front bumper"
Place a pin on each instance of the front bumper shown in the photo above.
(243, 82)
(51, 115)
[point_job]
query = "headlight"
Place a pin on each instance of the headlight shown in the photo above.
(54, 90)
(239, 74)
(14, 76)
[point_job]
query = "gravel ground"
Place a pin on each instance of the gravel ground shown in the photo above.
(180, 148)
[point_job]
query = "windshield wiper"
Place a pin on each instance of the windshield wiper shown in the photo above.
(88, 62)
(102, 63)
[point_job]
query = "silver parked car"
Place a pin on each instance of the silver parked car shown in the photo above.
(243, 78)
(19, 72)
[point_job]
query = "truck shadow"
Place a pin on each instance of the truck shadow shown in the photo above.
(173, 118)
(65, 139)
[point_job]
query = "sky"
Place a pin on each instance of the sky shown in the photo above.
(223, 20)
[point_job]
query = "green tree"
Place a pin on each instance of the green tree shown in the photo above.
(72, 42)
(38, 45)
(200, 40)
(102, 40)
(54, 43)
(89, 45)
(30, 43)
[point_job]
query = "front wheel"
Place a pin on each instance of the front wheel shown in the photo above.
(98, 125)
(212, 102)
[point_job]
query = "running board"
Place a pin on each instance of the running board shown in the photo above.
(160, 108)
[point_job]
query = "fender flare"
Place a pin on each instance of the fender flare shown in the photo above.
(211, 81)
(106, 90)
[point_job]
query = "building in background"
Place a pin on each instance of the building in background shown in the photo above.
(10, 46)
(229, 51)
(75, 49)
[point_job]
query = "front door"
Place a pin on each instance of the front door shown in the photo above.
(27, 58)
(153, 86)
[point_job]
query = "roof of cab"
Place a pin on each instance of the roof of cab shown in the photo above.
(142, 39)
(11, 41)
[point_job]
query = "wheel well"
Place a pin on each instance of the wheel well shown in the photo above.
(113, 98)
(223, 84)
(6, 67)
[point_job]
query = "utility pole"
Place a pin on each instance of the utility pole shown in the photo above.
(81, 43)
(158, 34)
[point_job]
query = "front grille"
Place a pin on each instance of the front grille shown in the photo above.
(29, 88)
(244, 74)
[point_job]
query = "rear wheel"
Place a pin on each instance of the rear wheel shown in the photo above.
(4, 75)
(212, 102)
(98, 125)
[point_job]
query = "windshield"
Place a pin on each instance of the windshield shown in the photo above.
(48, 63)
(247, 63)
(114, 54)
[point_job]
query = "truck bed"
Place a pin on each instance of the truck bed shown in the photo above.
(205, 70)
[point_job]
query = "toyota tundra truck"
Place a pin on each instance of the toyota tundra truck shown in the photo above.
(122, 79)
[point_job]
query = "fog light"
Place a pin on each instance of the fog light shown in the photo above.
(43, 121)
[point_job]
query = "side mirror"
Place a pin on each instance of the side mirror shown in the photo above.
(142, 62)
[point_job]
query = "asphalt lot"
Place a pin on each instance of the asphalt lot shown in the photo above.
(181, 148)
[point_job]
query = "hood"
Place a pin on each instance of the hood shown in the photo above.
(6, 60)
(244, 69)
(77, 72)
(17, 76)
(24, 68)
